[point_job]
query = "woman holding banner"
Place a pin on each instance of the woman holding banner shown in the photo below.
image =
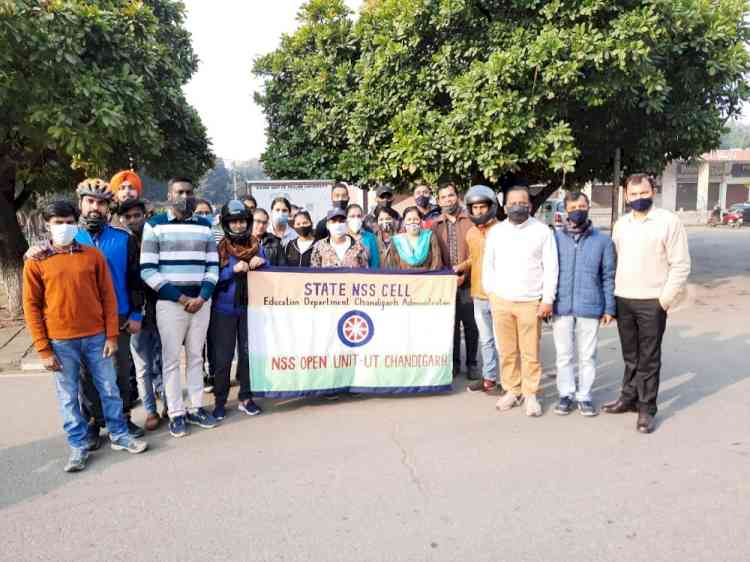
(238, 254)
(417, 248)
(299, 251)
(339, 249)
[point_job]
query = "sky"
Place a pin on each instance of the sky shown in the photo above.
(227, 35)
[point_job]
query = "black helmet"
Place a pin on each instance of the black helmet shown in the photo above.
(481, 194)
(236, 210)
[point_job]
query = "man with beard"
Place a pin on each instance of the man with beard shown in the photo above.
(121, 250)
(180, 262)
(125, 186)
(145, 346)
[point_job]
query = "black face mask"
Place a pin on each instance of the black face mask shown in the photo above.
(94, 223)
(304, 231)
(185, 207)
(341, 205)
(480, 220)
(452, 210)
(578, 217)
(518, 214)
(422, 201)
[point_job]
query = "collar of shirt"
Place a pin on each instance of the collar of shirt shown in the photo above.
(50, 250)
(172, 218)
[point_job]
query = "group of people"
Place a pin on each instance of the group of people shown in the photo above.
(117, 292)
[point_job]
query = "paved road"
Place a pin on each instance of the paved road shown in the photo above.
(419, 478)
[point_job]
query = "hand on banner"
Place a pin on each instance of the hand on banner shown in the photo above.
(257, 262)
(545, 310)
(242, 267)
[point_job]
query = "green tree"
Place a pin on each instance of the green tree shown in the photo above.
(306, 95)
(479, 89)
(87, 88)
(216, 184)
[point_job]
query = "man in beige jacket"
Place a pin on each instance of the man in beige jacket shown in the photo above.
(653, 264)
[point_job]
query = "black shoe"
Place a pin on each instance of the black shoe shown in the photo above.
(646, 422)
(93, 442)
(618, 406)
(564, 406)
(134, 430)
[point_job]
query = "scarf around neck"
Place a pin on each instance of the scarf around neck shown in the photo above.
(242, 252)
(417, 254)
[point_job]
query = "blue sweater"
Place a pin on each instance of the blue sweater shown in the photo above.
(114, 244)
(226, 289)
(179, 257)
(586, 284)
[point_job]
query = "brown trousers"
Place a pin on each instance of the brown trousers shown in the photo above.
(518, 333)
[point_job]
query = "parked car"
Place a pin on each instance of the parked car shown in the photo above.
(736, 215)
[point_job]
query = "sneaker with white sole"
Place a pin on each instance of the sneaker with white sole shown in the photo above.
(507, 401)
(533, 407)
(129, 444)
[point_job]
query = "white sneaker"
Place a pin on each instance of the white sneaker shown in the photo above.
(533, 407)
(507, 401)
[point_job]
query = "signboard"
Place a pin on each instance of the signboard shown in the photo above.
(312, 195)
(321, 331)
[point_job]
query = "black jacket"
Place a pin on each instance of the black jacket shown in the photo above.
(296, 259)
(273, 250)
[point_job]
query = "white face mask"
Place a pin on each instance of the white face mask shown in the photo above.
(411, 228)
(355, 224)
(63, 234)
(337, 229)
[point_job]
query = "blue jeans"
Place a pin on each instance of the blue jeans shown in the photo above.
(575, 336)
(71, 354)
(487, 349)
(145, 346)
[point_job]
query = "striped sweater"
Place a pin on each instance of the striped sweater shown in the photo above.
(179, 257)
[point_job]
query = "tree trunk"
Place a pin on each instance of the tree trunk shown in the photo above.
(543, 195)
(12, 245)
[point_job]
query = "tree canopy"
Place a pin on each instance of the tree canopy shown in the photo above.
(478, 89)
(88, 88)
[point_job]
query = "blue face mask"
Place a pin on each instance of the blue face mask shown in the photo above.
(642, 205)
(578, 217)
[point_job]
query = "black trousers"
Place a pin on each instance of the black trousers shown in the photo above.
(641, 324)
(91, 406)
(465, 317)
(226, 332)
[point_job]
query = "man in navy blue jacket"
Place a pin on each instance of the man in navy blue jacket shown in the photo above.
(585, 298)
